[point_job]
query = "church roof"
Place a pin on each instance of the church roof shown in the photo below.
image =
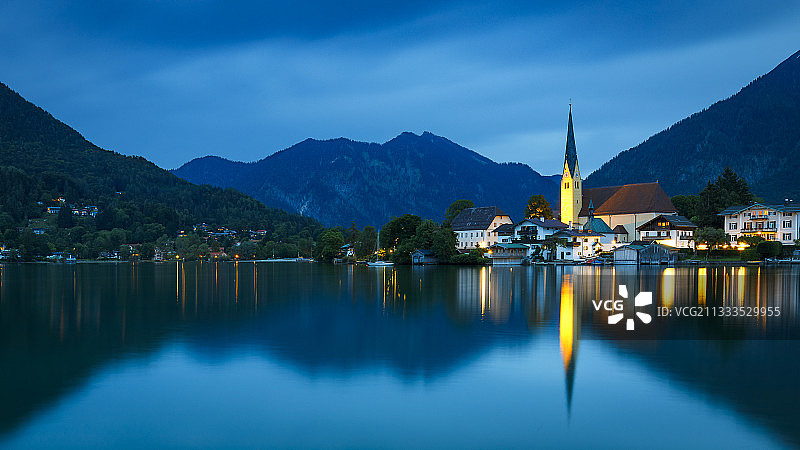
(597, 225)
(476, 218)
(627, 199)
(571, 157)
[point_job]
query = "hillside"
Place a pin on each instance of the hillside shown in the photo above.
(42, 158)
(338, 181)
(755, 132)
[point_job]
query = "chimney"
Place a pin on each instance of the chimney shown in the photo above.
(787, 202)
(570, 224)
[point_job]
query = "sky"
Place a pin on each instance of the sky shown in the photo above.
(175, 80)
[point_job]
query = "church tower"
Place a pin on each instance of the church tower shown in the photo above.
(571, 190)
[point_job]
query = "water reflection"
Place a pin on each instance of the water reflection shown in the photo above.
(61, 323)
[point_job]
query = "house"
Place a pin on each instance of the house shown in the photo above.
(39, 230)
(535, 230)
(670, 230)
(421, 257)
(505, 233)
(642, 252)
(53, 209)
(628, 205)
(581, 244)
(475, 227)
(608, 238)
(507, 254)
(771, 222)
(346, 251)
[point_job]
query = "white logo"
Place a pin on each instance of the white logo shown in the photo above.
(641, 299)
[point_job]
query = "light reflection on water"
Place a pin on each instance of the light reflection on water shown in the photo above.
(180, 354)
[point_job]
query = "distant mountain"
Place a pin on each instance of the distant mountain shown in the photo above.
(756, 132)
(338, 181)
(42, 157)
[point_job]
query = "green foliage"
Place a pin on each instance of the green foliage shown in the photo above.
(444, 244)
(474, 257)
(455, 209)
(749, 254)
(551, 244)
(769, 249)
(538, 206)
(750, 240)
(328, 244)
(711, 237)
(42, 159)
(367, 242)
(65, 219)
(398, 230)
(729, 189)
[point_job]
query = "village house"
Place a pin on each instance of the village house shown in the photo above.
(476, 227)
(642, 252)
(672, 230)
(503, 254)
(620, 207)
(422, 257)
(771, 222)
(581, 244)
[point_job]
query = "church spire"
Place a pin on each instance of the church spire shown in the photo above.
(571, 157)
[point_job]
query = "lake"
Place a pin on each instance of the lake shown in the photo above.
(312, 355)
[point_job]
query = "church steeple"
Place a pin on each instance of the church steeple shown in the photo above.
(571, 190)
(571, 157)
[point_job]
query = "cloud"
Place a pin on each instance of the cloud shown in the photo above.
(170, 83)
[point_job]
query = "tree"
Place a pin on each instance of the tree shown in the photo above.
(65, 219)
(729, 189)
(246, 250)
(426, 231)
(444, 244)
(538, 206)
(329, 243)
(367, 242)
(750, 240)
(711, 237)
(686, 205)
(455, 209)
(551, 244)
(351, 235)
(399, 229)
(769, 249)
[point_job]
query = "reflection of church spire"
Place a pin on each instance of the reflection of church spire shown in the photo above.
(569, 335)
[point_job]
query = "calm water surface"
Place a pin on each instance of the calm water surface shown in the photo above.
(311, 355)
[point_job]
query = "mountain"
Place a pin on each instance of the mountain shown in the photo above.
(755, 132)
(338, 181)
(42, 158)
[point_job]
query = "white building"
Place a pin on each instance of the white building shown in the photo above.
(475, 227)
(771, 222)
(581, 244)
(671, 230)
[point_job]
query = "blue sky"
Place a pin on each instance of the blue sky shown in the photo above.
(175, 80)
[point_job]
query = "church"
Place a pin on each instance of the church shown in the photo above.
(622, 208)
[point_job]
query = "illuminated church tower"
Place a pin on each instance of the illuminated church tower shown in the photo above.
(571, 194)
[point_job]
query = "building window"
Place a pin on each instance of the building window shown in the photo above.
(566, 185)
(787, 236)
(733, 225)
(787, 224)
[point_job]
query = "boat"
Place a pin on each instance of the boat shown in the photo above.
(70, 259)
(379, 263)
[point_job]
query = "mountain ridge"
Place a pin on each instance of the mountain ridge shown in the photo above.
(754, 131)
(337, 180)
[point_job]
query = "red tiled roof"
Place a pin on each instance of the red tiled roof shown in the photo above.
(627, 199)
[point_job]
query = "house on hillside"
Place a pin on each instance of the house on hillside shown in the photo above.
(672, 230)
(475, 227)
(771, 222)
